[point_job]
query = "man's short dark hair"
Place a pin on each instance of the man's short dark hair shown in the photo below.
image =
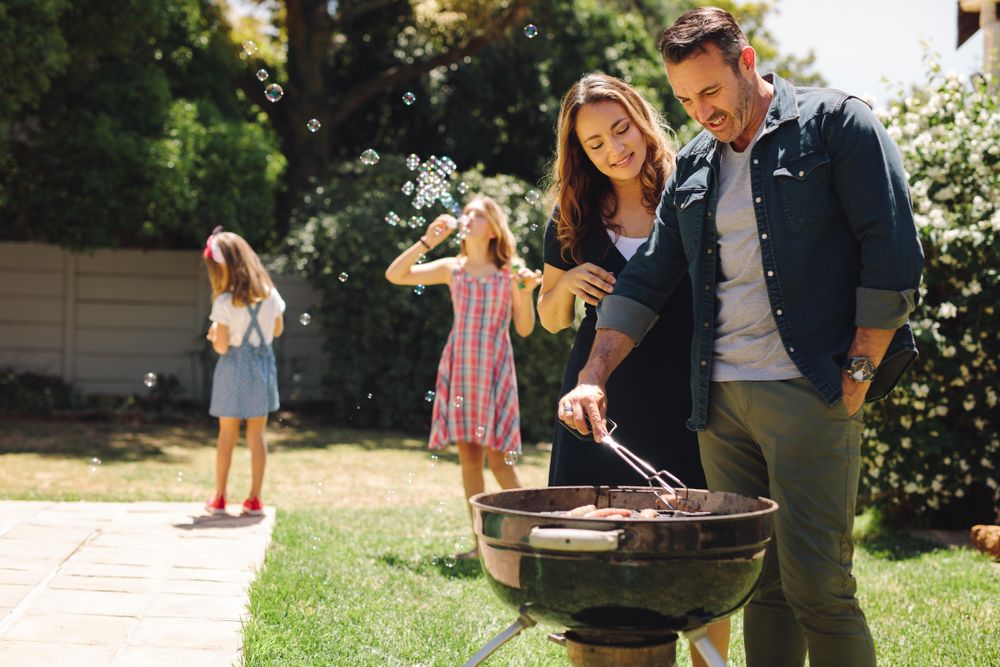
(695, 28)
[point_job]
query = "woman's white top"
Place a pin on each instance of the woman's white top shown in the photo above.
(626, 245)
(238, 319)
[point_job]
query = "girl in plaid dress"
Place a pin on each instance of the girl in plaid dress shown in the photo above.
(475, 403)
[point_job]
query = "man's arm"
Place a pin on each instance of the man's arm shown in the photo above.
(624, 317)
(871, 184)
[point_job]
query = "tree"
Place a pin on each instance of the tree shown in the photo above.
(137, 138)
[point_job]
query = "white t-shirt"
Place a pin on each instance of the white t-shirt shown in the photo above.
(627, 245)
(238, 319)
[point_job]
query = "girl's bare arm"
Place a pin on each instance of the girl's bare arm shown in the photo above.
(404, 270)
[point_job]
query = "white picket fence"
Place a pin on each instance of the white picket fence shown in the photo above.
(103, 320)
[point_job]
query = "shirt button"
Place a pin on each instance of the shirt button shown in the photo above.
(770, 274)
(705, 325)
(709, 214)
(791, 349)
(778, 311)
(757, 200)
(708, 286)
(763, 236)
(801, 174)
(708, 250)
(756, 161)
(704, 363)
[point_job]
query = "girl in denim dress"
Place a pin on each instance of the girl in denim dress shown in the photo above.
(246, 317)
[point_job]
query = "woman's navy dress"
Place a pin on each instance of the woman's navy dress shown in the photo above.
(648, 394)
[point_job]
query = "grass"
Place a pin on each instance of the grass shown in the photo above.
(350, 578)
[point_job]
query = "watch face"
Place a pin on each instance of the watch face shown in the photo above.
(861, 369)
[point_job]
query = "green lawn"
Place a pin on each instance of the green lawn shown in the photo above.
(350, 577)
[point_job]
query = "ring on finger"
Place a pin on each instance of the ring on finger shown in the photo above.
(567, 409)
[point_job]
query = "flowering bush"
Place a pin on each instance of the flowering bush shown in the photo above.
(931, 448)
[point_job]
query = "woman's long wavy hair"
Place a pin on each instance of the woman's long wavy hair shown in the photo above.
(242, 272)
(585, 196)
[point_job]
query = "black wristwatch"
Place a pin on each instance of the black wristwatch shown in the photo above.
(859, 368)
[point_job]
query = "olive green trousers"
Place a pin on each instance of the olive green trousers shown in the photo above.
(779, 439)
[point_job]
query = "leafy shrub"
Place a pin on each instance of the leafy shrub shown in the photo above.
(22, 391)
(932, 447)
(385, 340)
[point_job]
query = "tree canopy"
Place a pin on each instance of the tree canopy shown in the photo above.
(146, 123)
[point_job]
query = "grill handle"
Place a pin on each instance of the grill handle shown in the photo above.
(574, 539)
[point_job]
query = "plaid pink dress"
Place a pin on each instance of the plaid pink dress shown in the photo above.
(476, 393)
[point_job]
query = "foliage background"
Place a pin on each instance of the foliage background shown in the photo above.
(932, 446)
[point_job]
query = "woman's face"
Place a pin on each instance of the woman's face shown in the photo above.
(611, 139)
(474, 222)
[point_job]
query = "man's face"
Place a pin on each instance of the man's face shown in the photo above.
(718, 98)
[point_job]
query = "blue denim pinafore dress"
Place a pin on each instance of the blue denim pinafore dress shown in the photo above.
(245, 382)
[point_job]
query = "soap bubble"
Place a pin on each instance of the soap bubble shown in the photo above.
(313, 125)
(94, 464)
(458, 402)
(462, 188)
(262, 74)
(511, 457)
(409, 98)
(392, 218)
(342, 277)
(434, 460)
(249, 48)
(149, 379)
(412, 162)
(449, 561)
(429, 396)
(417, 221)
(370, 396)
(274, 92)
(434, 560)
(532, 197)
(180, 476)
(531, 31)
(305, 319)
(480, 432)
(369, 157)
(408, 188)
(440, 507)
(390, 495)
(419, 289)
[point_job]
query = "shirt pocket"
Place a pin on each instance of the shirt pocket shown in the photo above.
(691, 215)
(805, 186)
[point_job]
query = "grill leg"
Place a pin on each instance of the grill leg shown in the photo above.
(523, 622)
(699, 639)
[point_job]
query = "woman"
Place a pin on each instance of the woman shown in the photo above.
(612, 161)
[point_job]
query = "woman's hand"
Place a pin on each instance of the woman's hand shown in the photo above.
(588, 282)
(212, 331)
(439, 229)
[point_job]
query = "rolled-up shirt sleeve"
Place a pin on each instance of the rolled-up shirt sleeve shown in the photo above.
(649, 277)
(871, 184)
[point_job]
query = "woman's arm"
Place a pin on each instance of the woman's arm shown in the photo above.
(404, 270)
(524, 282)
(587, 281)
(279, 325)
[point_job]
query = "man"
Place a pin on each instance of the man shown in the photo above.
(791, 214)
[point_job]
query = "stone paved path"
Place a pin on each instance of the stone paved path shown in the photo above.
(124, 584)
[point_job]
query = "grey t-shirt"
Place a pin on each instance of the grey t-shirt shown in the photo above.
(747, 344)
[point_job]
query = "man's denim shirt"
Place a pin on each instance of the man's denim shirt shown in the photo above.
(837, 239)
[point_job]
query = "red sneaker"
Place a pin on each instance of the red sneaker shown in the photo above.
(216, 506)
(253, 506)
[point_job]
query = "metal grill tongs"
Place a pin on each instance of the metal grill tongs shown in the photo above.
(655, 478)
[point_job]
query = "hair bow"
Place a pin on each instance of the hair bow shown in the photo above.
(212, 247)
